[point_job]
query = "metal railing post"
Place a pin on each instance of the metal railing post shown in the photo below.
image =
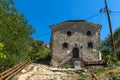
(0, 76)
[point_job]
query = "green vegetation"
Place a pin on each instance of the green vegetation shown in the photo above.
(107, 49)
(2, 55)
(15, 42)
(37, 50)
(101, 70)
(113, 76)
(84, 77)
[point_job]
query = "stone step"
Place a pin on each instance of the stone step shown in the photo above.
(69, 69)
(48, 77)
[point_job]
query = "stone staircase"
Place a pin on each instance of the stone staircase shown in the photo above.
(44, 72)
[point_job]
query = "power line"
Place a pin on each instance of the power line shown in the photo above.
(42, 35)
(53, 32)
(115, 11)
(92, 16)
(115, 14)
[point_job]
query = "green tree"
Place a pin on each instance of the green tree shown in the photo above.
(38, 50)
(107, 49)
(15, 32)
(2, 55)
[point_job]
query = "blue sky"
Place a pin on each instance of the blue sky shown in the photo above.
(43, 13)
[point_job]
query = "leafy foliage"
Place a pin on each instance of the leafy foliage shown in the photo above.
(114, 76)
(14, 34)
(2, 55)
(38, 50)
(83, 77)
(15, 42)
(107, 49)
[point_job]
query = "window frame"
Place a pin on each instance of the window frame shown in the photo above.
(88, 33)
(69, 33)
(65, 45)
(90, 45)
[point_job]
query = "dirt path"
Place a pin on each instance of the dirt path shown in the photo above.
(43, 72)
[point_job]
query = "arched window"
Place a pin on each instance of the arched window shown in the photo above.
(69, 33)
(90, 45)
(89, 33)
(65, 45)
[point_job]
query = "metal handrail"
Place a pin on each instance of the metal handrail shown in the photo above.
(9, 73)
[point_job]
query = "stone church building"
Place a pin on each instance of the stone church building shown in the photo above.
(73, 42)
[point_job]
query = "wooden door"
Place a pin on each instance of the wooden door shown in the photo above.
(75, 53)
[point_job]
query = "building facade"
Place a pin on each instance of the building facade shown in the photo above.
(73, 42)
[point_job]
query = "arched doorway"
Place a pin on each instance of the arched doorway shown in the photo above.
(75, 53)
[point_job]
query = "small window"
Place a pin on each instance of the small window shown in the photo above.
(89, 33)
(69, 33)
(65, 45)
(90, 45)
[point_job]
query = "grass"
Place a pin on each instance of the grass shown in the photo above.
(83, 77)
(98, 73)
(102, 70)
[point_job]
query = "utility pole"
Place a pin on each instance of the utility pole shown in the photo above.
(110, 26)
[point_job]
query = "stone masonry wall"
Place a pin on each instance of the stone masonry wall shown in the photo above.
(78, 39)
